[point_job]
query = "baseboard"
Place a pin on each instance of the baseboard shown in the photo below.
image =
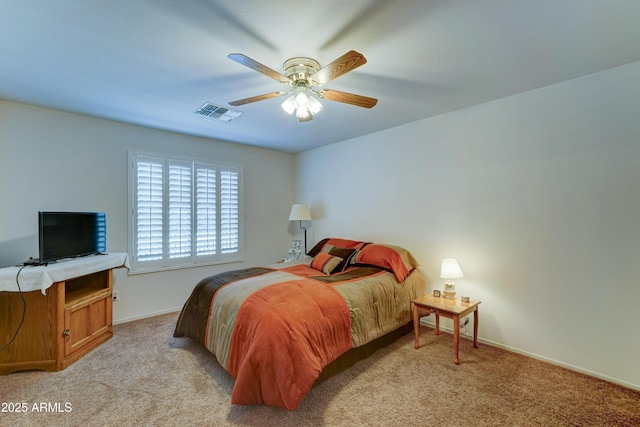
(147, 315)
(536, 356)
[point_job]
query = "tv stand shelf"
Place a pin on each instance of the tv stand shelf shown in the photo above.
(61, 326)
(85, 287)
(82, 294)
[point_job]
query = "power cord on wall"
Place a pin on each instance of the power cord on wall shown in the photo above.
(463, 325)
(24, 310)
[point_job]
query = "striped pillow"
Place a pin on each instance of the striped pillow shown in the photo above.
(344, 253)
(325, 262)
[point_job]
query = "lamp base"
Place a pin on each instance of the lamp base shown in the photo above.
(449, 289)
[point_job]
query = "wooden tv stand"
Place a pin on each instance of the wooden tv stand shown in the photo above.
(73, 318)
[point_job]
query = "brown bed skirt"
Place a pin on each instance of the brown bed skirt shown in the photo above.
(348, 359)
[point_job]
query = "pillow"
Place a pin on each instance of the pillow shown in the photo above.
(344, 253)
(325, 262)
(395, 259)
(317, 248)
(341, 243)
(345, 243)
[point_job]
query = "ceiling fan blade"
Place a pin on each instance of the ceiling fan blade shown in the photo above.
(255, 65)
(257, 98)
(348, 98)
(347, 62)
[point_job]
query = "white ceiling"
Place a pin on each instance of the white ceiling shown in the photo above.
(154, 62)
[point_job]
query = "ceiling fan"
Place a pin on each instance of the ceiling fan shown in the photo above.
(304, 75)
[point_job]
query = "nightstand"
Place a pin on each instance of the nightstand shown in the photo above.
(450, 308)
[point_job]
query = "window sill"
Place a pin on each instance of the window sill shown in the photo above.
(135, 271)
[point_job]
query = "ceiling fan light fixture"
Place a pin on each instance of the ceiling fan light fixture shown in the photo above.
(302, 101)
(302, 104)
(303, 115)
(314, 105)
(289, 105)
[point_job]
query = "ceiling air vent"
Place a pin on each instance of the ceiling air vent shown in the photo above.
(217, 113)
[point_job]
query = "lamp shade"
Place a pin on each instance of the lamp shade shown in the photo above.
(299, 213)
(289, 105)
(450, 269)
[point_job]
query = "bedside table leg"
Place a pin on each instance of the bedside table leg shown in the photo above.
(475, 328)
(456, 339)
(437, 323)
(416, 326)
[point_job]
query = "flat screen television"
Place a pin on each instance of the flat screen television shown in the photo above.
(71, 234)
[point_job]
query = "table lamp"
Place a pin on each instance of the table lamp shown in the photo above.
(450, 270)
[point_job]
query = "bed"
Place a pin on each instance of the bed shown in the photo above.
(279, 329)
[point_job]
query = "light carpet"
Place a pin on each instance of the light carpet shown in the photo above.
(144, 376)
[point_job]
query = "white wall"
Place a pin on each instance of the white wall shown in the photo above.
(51, 160)
(536, 195)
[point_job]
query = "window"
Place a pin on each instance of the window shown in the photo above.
(184, 213)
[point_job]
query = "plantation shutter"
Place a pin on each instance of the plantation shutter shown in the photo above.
(229, 211)
(149, 207)
(206, 230)
(179, 209)
(184, 213)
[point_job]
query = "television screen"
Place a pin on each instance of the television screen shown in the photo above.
(71, 234)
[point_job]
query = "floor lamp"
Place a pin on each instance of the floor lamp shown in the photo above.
(301, 213)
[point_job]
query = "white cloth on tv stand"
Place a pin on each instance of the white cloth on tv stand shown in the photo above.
(41, 277)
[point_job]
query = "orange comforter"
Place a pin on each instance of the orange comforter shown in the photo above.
(284, 335)
(275, 328)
